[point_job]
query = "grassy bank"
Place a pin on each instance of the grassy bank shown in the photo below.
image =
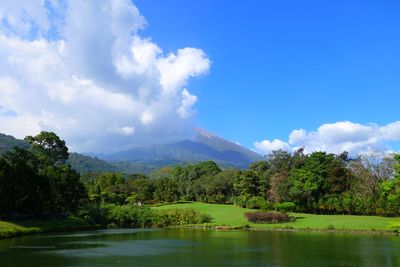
(17, 228)
(232, 216)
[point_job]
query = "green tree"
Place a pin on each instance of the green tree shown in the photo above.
(390, 192)
(141, 186)
(48, 148)
(23, 190)
(247, 184)
(66, 190)
(166, 190)
(309, 183)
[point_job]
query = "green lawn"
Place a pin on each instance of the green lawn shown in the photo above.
(10, 229)
(230, 215)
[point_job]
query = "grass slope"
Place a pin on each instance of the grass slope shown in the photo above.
(230, 215)
(11, 229)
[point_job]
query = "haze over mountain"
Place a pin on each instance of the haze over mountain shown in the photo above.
(204, 146)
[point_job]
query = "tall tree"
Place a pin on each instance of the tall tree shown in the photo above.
(48, 148)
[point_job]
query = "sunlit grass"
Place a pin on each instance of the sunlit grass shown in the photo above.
(9, 229)
(230, 215)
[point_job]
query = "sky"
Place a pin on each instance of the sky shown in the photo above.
(115, 74)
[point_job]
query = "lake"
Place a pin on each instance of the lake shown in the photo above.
(197, 247)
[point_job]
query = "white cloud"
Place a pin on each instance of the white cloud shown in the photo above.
(188, 101)
(176, 69)
(24, 18)
(84, 70)
(266, 146)
(125, 130)
(337, 137)
(146, 117)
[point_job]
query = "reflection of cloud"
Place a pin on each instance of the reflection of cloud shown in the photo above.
(81, 69)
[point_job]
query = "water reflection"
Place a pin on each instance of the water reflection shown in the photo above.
(189, 247)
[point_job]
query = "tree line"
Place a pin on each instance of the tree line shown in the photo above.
(317, 183)
(36, 181)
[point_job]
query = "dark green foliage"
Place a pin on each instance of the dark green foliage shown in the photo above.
(36, 182)
(168, 217)
(130, 216)
(65, 189)
(389, 198)
(139, 216)
(216, 188)
(84, 164)
(247, 184)
(48, 148)
(322, 183)
(22, 188)
(166, 190)
(186, 177)
(240, 201)
(267, 217)
(257, 202)
(8, 142)
(141, 186)
(93, 213)
(284, 206)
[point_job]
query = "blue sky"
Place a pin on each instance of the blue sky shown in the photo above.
(108, 75)
(283, 65)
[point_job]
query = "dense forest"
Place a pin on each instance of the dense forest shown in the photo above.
(36, 181)
(317, 183)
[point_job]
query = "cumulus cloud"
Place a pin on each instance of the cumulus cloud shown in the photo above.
(188, 101)
(84, 70)
(266, 146)
(337, 137)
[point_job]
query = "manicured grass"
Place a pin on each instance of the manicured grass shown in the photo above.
(233, 216)
(11, 229)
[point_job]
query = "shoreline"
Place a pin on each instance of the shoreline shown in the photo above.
(36, 230)
(11, 229)
(286, 229)
(315, 230)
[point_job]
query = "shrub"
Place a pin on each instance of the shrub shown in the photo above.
(284, 206)
(93, 213)
(394, 226)
(130, 216)
(267, 216)
(257, 203)
(240, 201)
(139, 216)
(169, 217)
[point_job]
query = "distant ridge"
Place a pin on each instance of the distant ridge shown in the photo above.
(204, 146)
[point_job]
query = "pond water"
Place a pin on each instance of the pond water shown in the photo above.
(195, 247)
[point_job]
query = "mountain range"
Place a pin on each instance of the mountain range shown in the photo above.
(204, 146)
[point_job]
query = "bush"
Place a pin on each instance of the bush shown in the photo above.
(93, 213)
(267, 217)
(139, 216)
(285, 206)
(130, 216)
(394, 226)
(240, 201)
(169, 217)
(121, 216)
(257, 203)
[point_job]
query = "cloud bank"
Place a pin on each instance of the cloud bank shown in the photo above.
(84, 70)
(337, 137)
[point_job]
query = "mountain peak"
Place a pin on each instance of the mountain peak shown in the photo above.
(203, 132)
